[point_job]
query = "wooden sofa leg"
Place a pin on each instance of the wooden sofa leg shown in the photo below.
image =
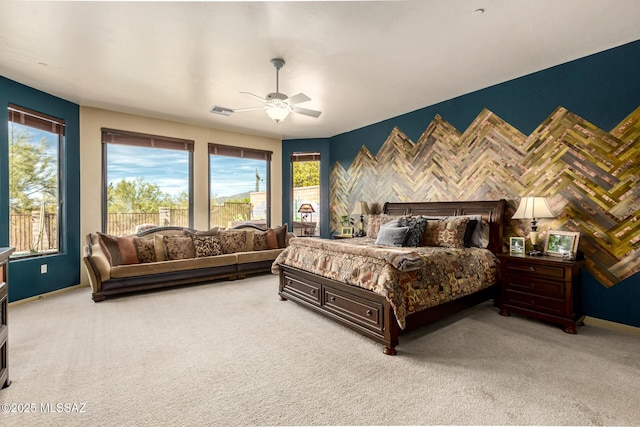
(98, 297)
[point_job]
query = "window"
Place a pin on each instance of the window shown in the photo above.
(147, 182)
(35, 142)
(239, 182)
(306, 192)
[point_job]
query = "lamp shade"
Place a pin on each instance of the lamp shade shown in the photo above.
(361, 208)
(306, 208)
(533, 207)
(278, 111)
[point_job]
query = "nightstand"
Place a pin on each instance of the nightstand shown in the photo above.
(342, 236)
(543, 287)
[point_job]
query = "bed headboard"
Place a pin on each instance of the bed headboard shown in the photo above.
(491, 210)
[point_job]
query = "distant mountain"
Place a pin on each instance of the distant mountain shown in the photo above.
(222, 199)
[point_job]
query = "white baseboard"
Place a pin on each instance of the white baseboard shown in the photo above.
(48, 294)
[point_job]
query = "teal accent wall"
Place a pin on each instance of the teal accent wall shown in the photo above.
(25, 279)
(602, 88)
(320, 145)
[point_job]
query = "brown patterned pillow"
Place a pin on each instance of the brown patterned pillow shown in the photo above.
(233, 241)
(145, 249)
(272, 239)
(179, 247)
(281, 235)
(207, 245)
(109, 245)
(260, 241)
(119, 250)
(374, 222)
(447, 233)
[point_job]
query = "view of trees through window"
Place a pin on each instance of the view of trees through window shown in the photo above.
(146, 186)
(34, 180)
(306, 189)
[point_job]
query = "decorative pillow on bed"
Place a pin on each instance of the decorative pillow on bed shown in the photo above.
(391, 236)
(478, 228)
(374, 223)
(485, 234)
(179, 247)
(233, 241)
(468, 233)
(447, 233)
(417, 225)
(145, 249)
(207, 245)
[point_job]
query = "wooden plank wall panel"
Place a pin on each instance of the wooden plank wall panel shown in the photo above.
(590, 176)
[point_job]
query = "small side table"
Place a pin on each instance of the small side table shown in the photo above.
(543, 287)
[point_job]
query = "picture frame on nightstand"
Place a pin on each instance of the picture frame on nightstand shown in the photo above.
(516, 245)
(347, 231)
(562, 243)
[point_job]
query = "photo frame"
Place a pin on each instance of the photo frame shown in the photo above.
(347, 231)
(562, 243)
(516, 245)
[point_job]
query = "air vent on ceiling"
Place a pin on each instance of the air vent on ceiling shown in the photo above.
(221, 110)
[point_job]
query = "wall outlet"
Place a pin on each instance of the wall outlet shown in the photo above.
(43, 268)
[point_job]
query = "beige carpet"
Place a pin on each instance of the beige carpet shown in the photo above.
(230, 353)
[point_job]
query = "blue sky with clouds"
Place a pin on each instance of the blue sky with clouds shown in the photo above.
(169, 170)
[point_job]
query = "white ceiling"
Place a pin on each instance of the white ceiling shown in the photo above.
(360, 62)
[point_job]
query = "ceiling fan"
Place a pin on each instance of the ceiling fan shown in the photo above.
(278, 105)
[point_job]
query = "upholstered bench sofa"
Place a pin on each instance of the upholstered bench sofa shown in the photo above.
(170, 256)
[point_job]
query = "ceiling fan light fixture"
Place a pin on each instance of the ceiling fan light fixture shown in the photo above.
(278, 110)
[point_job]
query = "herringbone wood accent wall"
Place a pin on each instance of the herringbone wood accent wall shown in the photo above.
(590, 176)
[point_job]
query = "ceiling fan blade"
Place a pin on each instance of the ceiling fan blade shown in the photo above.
(306, 112)
(254, 96)
(297, 99)
(241, 110)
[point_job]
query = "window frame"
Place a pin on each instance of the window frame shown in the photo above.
(304, 156)
(243, 153)
(48, 123)
(137, 139)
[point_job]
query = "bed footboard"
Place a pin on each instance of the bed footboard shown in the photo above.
(362, 310)
(359, 309)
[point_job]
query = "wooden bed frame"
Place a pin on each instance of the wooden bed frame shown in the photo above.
(371, 314)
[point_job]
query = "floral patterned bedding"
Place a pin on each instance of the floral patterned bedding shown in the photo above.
(411, 279)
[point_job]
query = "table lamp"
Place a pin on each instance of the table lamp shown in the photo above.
(362, 209)
(306, 210)
(533, 208)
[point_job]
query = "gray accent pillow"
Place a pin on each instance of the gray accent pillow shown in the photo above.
(392, 236)
(417, 225)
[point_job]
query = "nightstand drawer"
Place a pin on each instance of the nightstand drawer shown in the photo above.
(535, 302)
(535, 285)
(515, 267)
